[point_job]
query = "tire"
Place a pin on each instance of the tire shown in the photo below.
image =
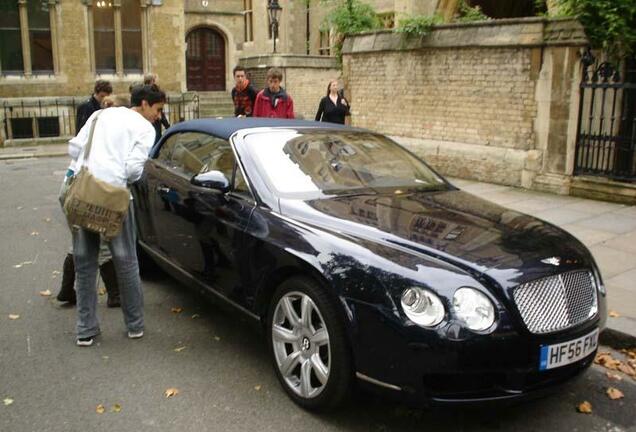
(311, 357)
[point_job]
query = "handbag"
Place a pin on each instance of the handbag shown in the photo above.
(94, 204)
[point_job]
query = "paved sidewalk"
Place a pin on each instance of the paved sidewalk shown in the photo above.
(607, 229)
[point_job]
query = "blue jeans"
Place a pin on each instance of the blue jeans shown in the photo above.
(124, 251)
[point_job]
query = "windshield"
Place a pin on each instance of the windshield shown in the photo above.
(312, 163)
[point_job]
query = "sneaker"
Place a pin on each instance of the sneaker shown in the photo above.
(85, 342)
(135, 335)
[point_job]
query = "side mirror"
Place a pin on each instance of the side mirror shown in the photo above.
(212, 180)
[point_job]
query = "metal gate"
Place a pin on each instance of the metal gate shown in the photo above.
(606, 136)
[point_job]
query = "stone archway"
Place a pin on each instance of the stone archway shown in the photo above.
(205, 60)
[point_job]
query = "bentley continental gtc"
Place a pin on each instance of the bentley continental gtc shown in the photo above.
(365, 267)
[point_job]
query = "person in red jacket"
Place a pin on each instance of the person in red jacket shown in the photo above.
(273, 101)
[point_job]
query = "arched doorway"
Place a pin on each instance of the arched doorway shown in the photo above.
(205, 60)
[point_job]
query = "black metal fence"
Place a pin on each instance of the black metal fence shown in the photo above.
(606, 137)
(55, 117)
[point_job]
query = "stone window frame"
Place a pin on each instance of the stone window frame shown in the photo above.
(25, 39)
(324, 44)
(248, 14)
(119, 48)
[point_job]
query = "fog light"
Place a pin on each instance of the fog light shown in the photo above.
(474, 308)
(422, 307)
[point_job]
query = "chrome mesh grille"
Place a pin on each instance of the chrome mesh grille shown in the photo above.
(557, 302)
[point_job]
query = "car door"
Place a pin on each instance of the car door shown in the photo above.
(199, 228)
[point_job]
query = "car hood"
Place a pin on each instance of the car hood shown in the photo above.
(461, 229)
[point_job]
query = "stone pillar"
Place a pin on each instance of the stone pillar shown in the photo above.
(119, 51)
(54, 36)
(26, 43)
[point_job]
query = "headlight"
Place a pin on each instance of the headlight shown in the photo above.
(474, 308)
(422, 307)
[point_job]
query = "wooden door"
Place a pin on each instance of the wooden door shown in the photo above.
(205, 60)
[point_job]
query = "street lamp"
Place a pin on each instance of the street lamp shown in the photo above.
(273, 10)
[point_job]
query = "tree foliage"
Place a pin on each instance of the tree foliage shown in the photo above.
(418, 25)
(467, 13)
(349, 17)
(609, 24)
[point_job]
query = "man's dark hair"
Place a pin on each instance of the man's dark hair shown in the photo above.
(238, 68)
(103, 86)
(150, 93)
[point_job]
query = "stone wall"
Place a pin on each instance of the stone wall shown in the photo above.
(492, 101)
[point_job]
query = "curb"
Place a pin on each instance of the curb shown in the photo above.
(619, 333)
(30, 155)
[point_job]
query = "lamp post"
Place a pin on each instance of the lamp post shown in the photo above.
(273, 10)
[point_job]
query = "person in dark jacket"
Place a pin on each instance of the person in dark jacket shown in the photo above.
(334, 107)
(273, 101)
(243, 94)
(94, 103)
(151, 79)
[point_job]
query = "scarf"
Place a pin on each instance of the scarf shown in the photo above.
(243, 87)
(273, 97)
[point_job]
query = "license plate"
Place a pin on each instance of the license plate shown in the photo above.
(565, 353)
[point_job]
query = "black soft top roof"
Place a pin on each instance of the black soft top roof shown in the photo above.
(225, 127)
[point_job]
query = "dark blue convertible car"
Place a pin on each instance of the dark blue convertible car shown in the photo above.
(366, 267)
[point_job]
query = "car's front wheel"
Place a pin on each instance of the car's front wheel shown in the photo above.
(308, 345)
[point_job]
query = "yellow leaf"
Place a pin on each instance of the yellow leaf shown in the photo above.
(606, 360)
(171, 392)
(614, 393)
(176, 310)
(14, 316)
(627, 369)
(116, 408)
(613, 376)
(7, 401)
(101, 291)
(35, 233)
(179, 349)
(100, 409)
(45, 293)
(257, 387)
(584, 407)
(613, 314)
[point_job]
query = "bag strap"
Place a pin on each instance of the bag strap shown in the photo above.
(89, 144)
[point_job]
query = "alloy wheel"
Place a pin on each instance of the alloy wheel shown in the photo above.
(300, 342)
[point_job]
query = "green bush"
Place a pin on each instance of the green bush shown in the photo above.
(418, 25)
(467, 13)
(349, 17)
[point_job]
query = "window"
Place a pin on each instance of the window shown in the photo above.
(325, 45)
(247, 13)
(36, 56)
(106, 38)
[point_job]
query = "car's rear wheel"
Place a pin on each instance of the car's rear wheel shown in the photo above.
(307, 341)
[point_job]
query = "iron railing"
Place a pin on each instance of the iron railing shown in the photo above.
(606, 137)
(37, 119)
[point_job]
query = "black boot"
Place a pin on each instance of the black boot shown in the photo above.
(109, 276)
(67, 291)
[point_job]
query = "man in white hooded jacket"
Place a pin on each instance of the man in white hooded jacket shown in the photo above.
(121, 142)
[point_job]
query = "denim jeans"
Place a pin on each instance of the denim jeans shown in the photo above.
(124, 252)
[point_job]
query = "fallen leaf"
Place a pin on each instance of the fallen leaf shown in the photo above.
(613, 376)
(176, 310)
(19, 208)
(35, 233)
(171, 392)
(45, 293)
(626, 369)
(195, 316)
(216, 338)
(614, 393)
(105, 357)
(7, 401)
(179, 349)
(116, 408)
(257, 387)
(35, 208)
(56, 272)
(584, 407)
(47, 219)
(613, 314)
(606, 360)
(101, 291)
(14, 316)
(22, 264)
(100, 409)
(17, 266)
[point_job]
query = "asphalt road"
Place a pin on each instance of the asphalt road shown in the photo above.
(222, 371)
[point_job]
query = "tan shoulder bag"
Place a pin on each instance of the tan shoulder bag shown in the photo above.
(93, 204)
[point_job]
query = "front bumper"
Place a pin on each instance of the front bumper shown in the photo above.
(435, 368)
